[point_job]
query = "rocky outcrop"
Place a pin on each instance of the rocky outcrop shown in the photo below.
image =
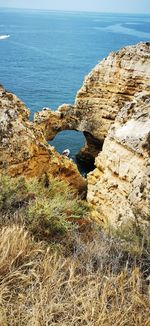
(119, 187)
(112, 110)
(112, 83)
(24, 150)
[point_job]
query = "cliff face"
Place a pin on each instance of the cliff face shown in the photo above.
(113, 82)
(112, 109)
(119, 187)
(24, 150)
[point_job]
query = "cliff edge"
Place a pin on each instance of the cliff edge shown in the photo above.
(24, 150)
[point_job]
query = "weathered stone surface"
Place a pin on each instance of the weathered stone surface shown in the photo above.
(112, 107)
(52, 122)
(119, 187)
(112, 83)
(24, 150)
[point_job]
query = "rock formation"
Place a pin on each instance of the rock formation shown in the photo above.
(112, 107)
(113, 82)
(24, 150)
(119, 187)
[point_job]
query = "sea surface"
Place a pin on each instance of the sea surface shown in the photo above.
(48, 54)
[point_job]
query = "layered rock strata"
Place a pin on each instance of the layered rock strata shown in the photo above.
(119, 187)
(112, 83)
(24, 150)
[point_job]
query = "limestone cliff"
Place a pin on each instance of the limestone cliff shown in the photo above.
(113, 82)
(119, 187)
(24, 150)
(112, 108)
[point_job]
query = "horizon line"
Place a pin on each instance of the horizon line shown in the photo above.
(76, 11)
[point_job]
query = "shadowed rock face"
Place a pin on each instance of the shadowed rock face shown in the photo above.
(112, 83)
(24, 150)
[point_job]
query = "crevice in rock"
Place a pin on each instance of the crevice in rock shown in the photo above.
(86, 156)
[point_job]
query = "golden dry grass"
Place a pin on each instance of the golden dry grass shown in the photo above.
(38, 286)
(85, 277)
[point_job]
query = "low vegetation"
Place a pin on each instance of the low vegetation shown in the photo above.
(58, 268)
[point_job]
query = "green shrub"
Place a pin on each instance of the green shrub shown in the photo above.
(46, 217)
(12, 193)
(48, 210)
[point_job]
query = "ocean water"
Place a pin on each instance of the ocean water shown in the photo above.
(48, 54)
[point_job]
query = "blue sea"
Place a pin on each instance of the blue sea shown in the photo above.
(48, 54)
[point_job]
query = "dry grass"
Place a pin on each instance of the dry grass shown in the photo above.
(39, 286)
(85, 278)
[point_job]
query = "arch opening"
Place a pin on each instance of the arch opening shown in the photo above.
(74, 141)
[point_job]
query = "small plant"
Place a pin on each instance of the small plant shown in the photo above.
(46, 217)
(12, 193)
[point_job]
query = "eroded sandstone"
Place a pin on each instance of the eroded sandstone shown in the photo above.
(112, 83)
(24, 150)
(112, 109)
(119, 187)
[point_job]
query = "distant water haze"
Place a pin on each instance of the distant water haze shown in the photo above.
(128, 6)
(48, 54)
